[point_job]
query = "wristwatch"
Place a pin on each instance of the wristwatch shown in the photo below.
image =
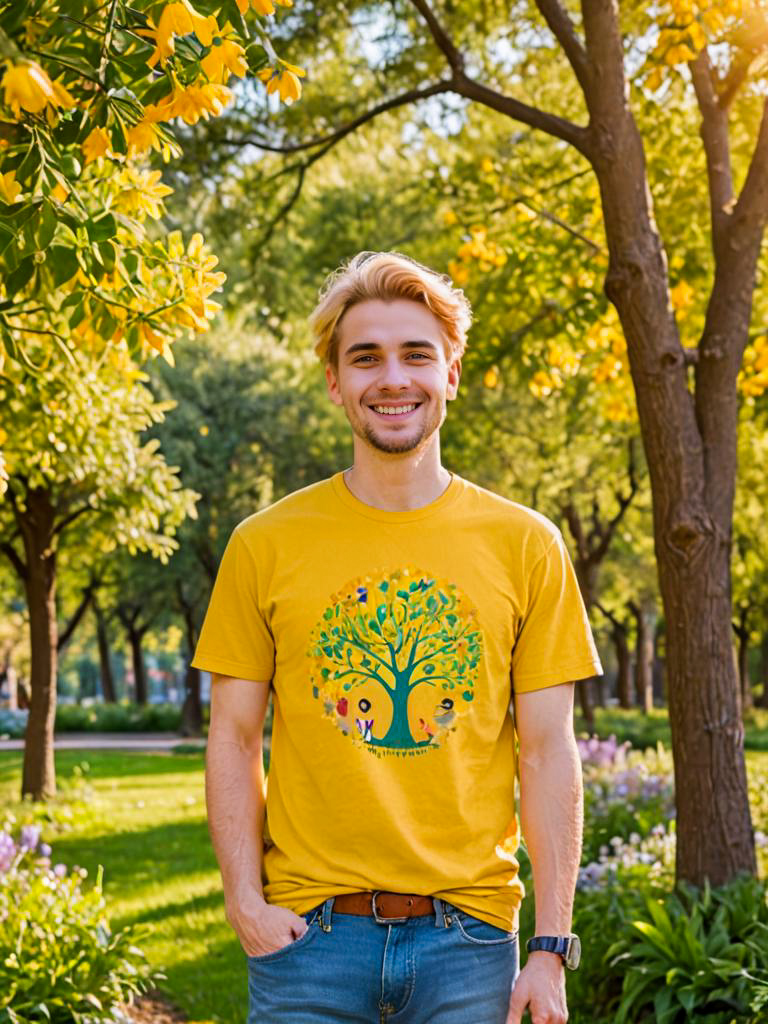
(567, 947)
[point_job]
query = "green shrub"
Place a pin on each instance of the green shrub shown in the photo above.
(123, 717)
(700, 954)
(648, 730)
(59, 960)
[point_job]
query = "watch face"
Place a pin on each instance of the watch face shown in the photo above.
(573, 956)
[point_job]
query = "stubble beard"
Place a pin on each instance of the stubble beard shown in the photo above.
(398, 446)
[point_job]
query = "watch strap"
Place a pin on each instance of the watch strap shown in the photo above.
(549, 944)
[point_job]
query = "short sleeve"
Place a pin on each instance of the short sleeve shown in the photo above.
(555, 643)
(235, 639)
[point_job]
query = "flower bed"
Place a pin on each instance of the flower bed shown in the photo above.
(59, 960)
(653, 951)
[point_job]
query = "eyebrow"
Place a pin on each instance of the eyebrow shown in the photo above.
(372, 346)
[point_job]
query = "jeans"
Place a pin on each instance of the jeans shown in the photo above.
(446, 968)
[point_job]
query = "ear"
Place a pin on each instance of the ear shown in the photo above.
(332, 383)
(454, 376)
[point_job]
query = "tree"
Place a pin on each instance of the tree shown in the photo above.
(687, 393)
(77, 457)
(87, 91)
(392, 645)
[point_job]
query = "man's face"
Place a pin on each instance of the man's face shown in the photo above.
(393, 376)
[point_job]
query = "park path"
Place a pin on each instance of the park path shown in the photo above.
(136, 741)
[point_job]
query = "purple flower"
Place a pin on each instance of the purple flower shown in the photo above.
(30, 837)
(7, 851)
(60, 870)
(44, 850)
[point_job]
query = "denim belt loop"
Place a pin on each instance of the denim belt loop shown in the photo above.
(325, 916)
(442, 920)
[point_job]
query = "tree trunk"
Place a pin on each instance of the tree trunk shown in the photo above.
(105, 663)
(762, 700)
(690, 447)
(643, 658)
(624, 664)
(39, 772)
(192, 711)
(741, 629)
(135, 637)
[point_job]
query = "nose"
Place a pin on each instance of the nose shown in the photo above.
(394, 374)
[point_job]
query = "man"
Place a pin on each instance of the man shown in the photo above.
(396, 609)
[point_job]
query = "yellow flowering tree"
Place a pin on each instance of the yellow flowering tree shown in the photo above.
(691, 363)
(87, 91)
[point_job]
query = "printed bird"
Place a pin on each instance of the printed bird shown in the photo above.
(444, 715)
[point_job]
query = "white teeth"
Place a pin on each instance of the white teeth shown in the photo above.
(394, 410)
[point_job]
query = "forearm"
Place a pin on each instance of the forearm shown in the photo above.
(551, 815)
(234, 788)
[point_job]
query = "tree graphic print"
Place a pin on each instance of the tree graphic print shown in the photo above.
(388, 645)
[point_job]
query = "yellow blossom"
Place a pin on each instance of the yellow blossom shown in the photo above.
(96, 145)
(681, 296)
(449, 218)
(141, 193)
(28, 87)
(204, 431)
(486, 165)
(9, 187)
(62, 97)
(145, 135)
(226, 56)
(179, 19)
(196, 101)
(283, 80)
(59, 192)
(265, 7)
(491, 377)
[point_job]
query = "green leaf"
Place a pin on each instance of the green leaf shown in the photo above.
(20, 277)
(100, 229)
(64, 263)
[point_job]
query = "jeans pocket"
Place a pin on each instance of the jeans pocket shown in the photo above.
(481, 933)
(313, 927)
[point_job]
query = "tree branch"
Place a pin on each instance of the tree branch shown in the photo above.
(15, 559)
(752, 205)
(410, 96)
(559, 127)
(444, 42)
(336, 137)
(66, 635)
(465, 86)
(70, 519)
(563, 30)
(714, 135)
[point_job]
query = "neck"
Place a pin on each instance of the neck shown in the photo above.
(397, 483)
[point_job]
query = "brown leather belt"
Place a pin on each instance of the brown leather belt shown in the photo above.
(383, 906)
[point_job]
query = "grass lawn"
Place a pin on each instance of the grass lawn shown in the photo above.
(143, 817)
(144, 820)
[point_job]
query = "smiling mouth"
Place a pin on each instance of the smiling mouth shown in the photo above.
(395, 410)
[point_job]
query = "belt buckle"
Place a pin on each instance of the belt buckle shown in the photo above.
(376, 915)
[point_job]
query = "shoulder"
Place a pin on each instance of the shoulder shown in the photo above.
(293, 509)
(527, 526)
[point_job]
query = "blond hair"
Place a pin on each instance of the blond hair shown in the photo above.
(388, 276)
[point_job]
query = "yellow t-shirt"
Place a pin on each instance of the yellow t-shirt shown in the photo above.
(393, 641)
